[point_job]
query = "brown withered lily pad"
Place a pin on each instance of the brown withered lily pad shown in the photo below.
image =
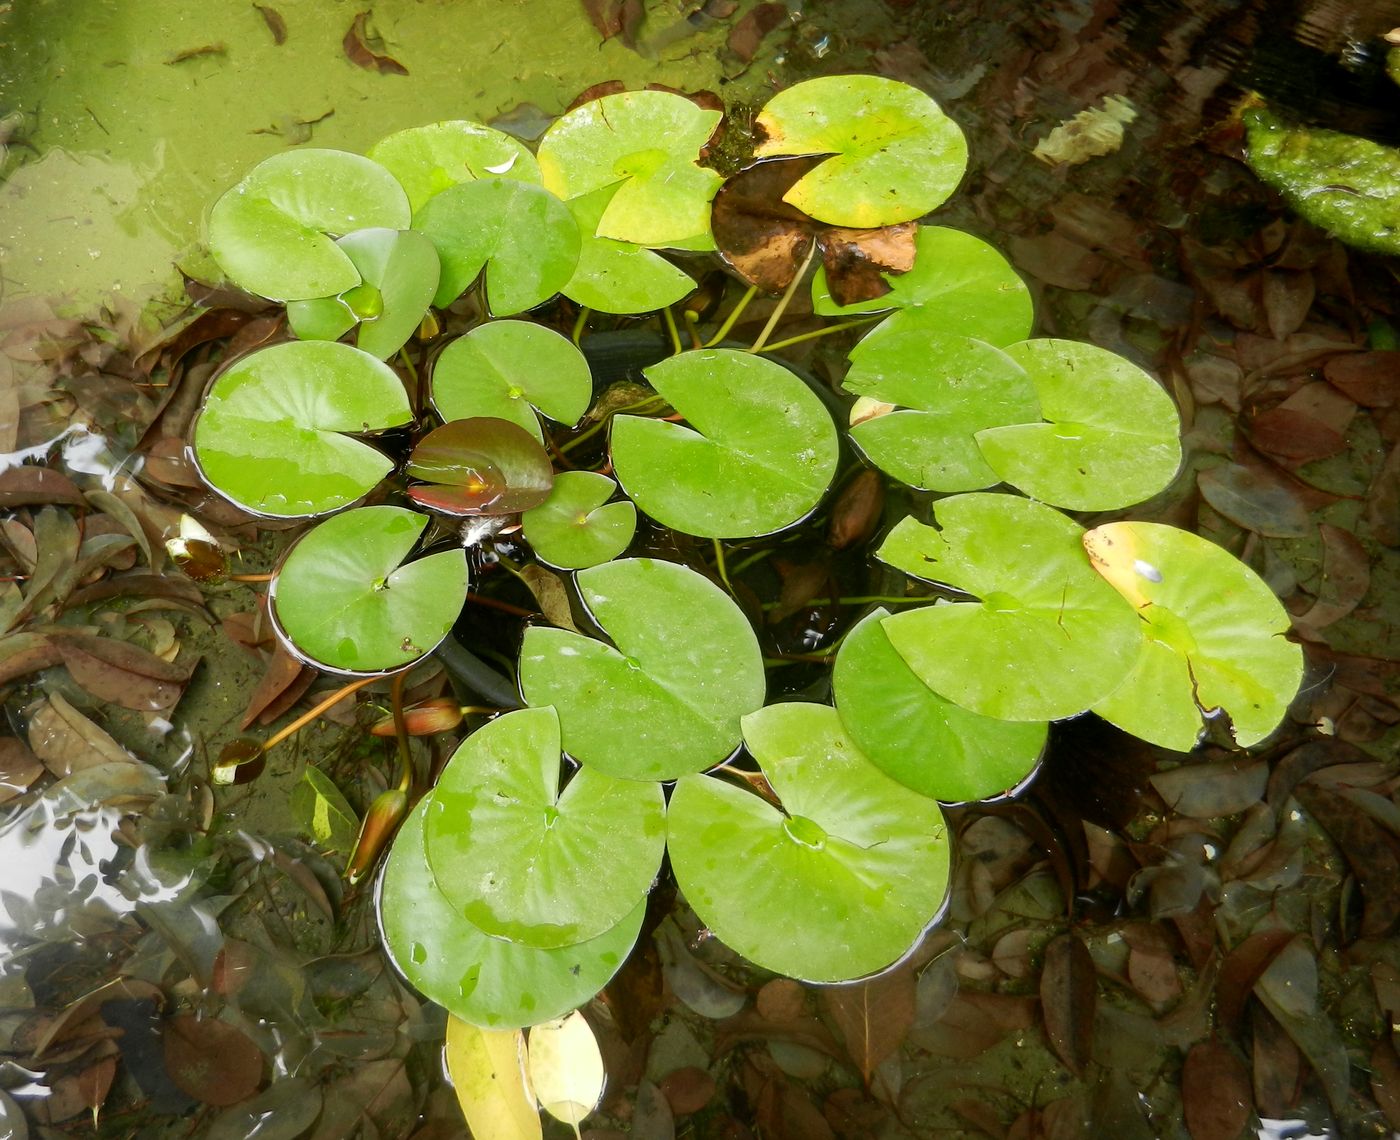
(766, 240)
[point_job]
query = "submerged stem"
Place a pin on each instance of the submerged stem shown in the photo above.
(671, 329)
(719, 565)
(784, 301)
(734, 314)
(307, 717)
(583, 315)
(826, 330)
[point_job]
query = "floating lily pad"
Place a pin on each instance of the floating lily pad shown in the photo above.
(576, 527)
(758, 454)
(1215, 637)
(428, 159)
(345, 598)
(619, 276)
(480, 466)
(667, 700)
(644, 143)
(1343, 183)
(525, 239)
(948, 387)
(839, 883)
(398, 273)
(483, 980)
(272, 436)
(959, 286)
(895, 154)
(507, 369)
(915, 736)
(1048, 638)
(1113, 436)
(274, 232)
(525, 861)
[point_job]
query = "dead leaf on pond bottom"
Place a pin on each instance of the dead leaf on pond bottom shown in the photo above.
(122, 673)
(1385, 1080)
(67, 741)
(873, 1016)
(1346, 576)
(1372, 379)
(767, 241)
(358, 49)
(1215, 1092)
(1068, 999)
(275, 24)
(1256, 499)
(1369, 849)
(748, 33)
(216, 1063)
(19, 768)
(1207, 791)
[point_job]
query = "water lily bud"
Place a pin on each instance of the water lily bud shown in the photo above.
(868, 408)
(380, 822)
(441, 714)
(858, 510)
(197, 552)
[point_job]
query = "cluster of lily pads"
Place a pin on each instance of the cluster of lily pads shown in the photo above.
(807, 836)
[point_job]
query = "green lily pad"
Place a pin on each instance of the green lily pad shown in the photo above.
(480, 466)
(271, 437)
(525, 239)
(507, 369)
(667, 700)
(915, 736)
(398, 274)
(483, 980)
(576, 527)
(1112, 438)
(527, 862)
(959, 286)
(838, 884)
(1215, 637)
(347, 601)
(950, 387)
(1048, 637)
(895, 154)
(273, 233)
(1343, 183)
(645, 144)
(428, 159)
(619, 276)
(758, 454)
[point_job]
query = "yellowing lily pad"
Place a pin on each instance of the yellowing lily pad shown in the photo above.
(1214, 637)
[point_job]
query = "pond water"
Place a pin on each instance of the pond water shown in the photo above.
(183, 957)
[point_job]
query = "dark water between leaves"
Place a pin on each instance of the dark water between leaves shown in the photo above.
(184, 959)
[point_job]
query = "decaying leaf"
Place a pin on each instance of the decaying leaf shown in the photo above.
(873, 1016)
(216, 1063)
(275, 24)
(767, 241)
(487, 1067)
(1215, 1092)
(566, 1068)
(364, 49)
(755, 24)
(1068, 999)
(707, 992)
(1346, 577)
(19, 768)
(67, 741)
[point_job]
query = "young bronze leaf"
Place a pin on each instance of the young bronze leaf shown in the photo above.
(873, 1016)
(767, 241)
(1068, 997)
(1215, 1092)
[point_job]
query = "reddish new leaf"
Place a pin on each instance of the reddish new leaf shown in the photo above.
(1068, 1000)
(480, 466)
(1215, 1092)
(214, 1062)
(873, 1016)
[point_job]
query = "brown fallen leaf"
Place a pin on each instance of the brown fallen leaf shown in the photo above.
(767, 241)
(275, 24)
(19, 768)
(1278, 1068)
(123, 673)
(1346, 577)
(216, 1063)
(358, 51)
(1207, 791)
(616, 18)
(1369, 849)
(1068, 999)
(1372, 379)
(67, 741)
(687, 1090)
(873, 1016)
(1215, 1092)
(27, 485)
(748, 34)
(1310, 424)
(1385, 1080)
(781, 999)
(282, 684)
